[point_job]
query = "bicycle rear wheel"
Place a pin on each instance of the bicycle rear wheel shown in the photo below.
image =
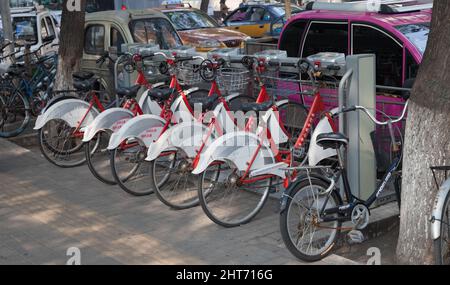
(304, 236)
(442, 244)
(15, 114)
(130, 169)
(98, 158)
(60, 145)
(293, 117)
(173, 182)
(225, 200)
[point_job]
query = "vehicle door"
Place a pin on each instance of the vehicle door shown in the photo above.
(249, 20)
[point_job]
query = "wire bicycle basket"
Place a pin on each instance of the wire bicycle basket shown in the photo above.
(187, 74)
(233, 79)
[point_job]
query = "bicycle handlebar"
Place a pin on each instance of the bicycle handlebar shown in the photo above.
(366, 111)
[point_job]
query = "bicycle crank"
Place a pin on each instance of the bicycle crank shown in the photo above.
(360, 216)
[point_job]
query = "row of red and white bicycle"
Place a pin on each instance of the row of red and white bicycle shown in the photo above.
(226, 151)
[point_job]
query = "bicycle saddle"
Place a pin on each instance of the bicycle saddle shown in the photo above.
(256, 107)
(161, 94)
(332, 140)
(207, 103)
(84, 85)
(82, 75)
(128, 92)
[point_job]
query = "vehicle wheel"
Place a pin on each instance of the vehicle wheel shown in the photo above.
(303, 237)
(227, 202)
(129, 168)
(173, 182)
(442, 244)
(98, 158)
(15, 113)
(60, 146)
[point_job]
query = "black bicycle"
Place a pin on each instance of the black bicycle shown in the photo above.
(312, 209)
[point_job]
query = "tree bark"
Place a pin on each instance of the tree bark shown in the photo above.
(426, 141)
(5, 13)
(70, 46)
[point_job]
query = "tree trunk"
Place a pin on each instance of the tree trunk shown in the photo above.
(70, 46)
(204, 6)
(426, 141)
(5, 13)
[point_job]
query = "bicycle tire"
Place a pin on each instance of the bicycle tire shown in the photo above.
(9, 108)
(284, 222)
(134, 154)
(98, 158)
(224, 214)
(444, 238)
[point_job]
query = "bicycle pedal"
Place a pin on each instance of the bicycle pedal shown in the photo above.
(355, 237)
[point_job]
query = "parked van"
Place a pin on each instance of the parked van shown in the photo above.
(114, 28)
(36, 26)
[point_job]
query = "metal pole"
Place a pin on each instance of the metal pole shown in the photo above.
(5, 12)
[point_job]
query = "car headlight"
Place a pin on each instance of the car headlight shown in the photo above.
(210, 44)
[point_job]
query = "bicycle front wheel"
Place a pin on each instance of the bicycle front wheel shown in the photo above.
(303, 234)
(226, 200)
(442, 244)
(130, 169)
(15, 114)
(98, 158)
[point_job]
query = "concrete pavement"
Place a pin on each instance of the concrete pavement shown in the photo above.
(45, 210)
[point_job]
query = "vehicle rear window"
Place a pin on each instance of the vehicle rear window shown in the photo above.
(190, 20)
(326, 37)
(155, 31)
(291, 38)
(417, 34)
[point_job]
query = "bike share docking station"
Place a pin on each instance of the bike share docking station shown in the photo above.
(356, 77)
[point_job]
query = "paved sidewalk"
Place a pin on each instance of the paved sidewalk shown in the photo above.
(44, 210)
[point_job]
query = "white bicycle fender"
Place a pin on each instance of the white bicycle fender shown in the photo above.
(148, 105)
(71, 111)
(187, 136)
(444, 190)
(237, 148)
(317, 153)
(146, 128)
(112, 119)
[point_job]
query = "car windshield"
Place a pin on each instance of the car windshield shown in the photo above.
(417, 34)
(190, 20)
(155, 31)
(280, 10)
(24, 28)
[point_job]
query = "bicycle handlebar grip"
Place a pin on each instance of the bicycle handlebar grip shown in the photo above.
(183, 58)
(150, 55)
(289, 64)
(234, 60)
